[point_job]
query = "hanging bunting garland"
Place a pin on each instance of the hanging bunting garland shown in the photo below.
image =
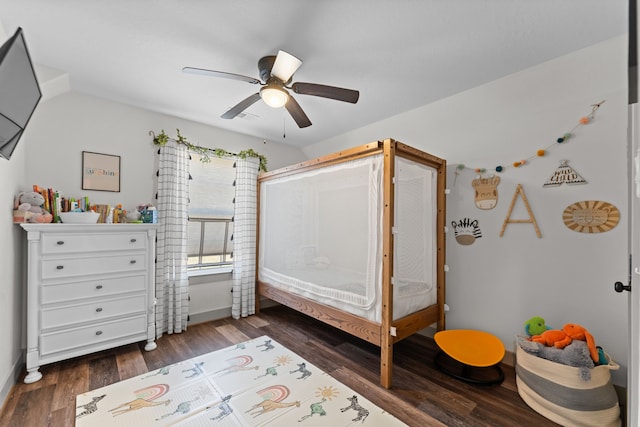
(539, 153)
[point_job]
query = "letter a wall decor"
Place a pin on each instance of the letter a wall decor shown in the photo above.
(531, 220)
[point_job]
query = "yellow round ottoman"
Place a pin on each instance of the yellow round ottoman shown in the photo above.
(470, 355)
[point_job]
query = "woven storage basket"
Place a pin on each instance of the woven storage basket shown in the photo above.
(557, 391)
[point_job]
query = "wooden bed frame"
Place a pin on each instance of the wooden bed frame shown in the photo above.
(387, 332)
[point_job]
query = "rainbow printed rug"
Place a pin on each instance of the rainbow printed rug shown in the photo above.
(255, 383)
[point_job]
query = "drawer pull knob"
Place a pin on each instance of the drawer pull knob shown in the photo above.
(98, 310)
(98, 332)
(133, 261)
(133, 240)
(99, 287)
(60, 267)
(60, 242)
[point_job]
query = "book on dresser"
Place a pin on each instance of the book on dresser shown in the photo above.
(90, 287)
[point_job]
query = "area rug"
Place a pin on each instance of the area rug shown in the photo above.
(255, 383)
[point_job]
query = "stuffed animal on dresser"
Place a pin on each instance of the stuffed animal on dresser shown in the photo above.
(28, 208)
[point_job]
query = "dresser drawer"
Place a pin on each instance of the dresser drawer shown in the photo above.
(72, 243)
(92, 311)
(61, 292)
(91, 335)
(69, 267)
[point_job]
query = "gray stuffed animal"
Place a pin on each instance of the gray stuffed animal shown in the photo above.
(29, 206)
(575, 354)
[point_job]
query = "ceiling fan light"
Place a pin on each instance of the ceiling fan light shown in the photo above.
(273, 96)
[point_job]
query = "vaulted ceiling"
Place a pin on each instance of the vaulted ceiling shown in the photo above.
(399, 54)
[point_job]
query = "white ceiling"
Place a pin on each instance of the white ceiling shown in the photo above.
(399, 54)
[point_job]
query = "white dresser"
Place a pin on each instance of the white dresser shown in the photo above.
(90, 287)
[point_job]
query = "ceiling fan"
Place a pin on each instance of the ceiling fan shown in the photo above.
(276, 73)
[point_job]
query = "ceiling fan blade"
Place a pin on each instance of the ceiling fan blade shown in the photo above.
(241, 106)
(331, 92)
(213, 73)
(297, 113)
(285, 65)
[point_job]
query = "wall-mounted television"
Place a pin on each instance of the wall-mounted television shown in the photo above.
(19, 92)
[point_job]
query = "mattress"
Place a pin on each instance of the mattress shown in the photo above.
(348, 292)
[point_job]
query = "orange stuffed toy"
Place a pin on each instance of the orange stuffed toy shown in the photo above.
(562, 338)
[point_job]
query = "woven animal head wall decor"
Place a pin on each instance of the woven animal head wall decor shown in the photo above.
(466, 231)
(486, 192)
(591, 216)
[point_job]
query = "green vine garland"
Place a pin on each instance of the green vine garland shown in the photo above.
(162, 138)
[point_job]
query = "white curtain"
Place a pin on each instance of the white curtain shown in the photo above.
(172, 282)
(244, 237)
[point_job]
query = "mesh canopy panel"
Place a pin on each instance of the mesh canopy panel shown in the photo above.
(320, 230)
(321, 235)
(415, 226)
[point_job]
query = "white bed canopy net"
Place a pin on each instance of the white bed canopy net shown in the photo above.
(321, 236)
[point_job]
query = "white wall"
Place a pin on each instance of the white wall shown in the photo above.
(497, 283)
(12, 172)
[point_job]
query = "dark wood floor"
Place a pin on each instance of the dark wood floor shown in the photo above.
(421, 395)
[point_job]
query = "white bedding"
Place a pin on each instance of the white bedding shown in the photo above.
(351, 296)
(320, 236)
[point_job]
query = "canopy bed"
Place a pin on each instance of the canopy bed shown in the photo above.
(356, 240)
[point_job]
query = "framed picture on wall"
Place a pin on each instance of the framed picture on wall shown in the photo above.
(100, 172)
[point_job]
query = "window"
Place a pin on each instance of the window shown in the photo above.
(211, 194)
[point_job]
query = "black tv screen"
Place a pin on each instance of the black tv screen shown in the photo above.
(19, 92)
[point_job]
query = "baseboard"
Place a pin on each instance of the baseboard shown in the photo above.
(208, 316)
(12, 378)
(223, 313)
